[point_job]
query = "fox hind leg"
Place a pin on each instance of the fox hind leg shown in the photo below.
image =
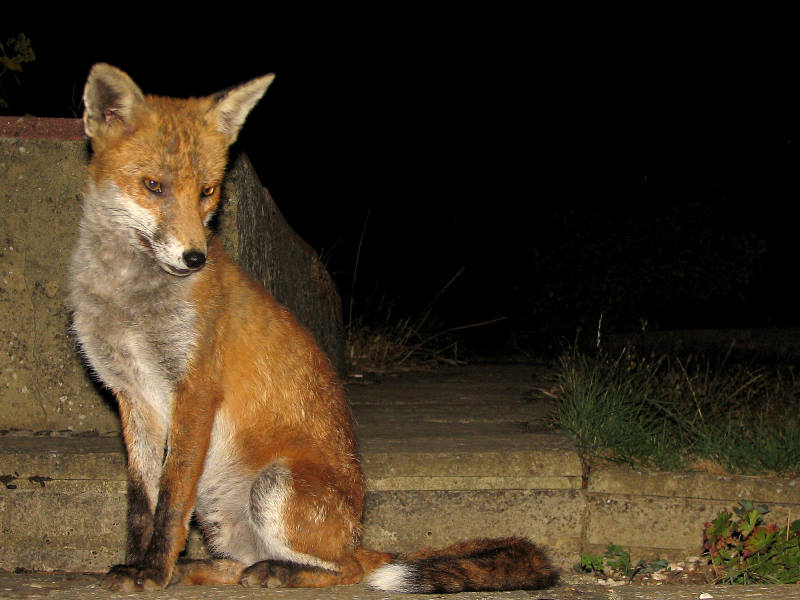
(221, 571)
(276, 573)
(283, 573)
(306, 526)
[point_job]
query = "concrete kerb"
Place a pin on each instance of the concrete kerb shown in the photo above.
(662, 514)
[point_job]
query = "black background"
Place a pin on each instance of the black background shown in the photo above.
(524, 149)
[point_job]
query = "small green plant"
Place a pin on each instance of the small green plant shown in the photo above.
(617, 561)
(747, 550)
(592, 563)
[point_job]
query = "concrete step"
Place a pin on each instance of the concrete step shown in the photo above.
(62, 505)
(448, 456)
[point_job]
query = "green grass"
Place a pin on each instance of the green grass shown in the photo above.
(669, 412)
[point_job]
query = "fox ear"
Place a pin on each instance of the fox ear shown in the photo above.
(110, 97)
(232, 106)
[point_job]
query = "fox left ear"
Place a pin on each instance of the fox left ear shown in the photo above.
(110, 97)
(232, 106)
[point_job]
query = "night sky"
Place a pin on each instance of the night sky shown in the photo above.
(492, 143)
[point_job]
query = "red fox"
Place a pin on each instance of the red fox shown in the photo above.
(229, 409)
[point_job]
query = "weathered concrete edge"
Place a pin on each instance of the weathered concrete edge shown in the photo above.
(47, 128)
(428, 483)
(103, 458)
(621, 481)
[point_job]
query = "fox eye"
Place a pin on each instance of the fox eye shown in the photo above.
(209, 190)
(153, 185)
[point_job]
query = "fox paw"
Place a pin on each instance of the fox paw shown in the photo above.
(267, 573)
(124, 578)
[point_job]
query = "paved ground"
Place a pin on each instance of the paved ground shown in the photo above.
(85, 587)
(451, 401)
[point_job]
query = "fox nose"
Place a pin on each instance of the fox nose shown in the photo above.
(194, 259)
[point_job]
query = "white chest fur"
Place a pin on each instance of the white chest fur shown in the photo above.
(134, 322)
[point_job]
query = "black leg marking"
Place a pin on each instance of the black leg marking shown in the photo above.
(140, 522)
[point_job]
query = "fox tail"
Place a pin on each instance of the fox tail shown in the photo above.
(478, 565)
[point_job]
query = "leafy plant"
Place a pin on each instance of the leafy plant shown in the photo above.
(616, 560)
(747, 550)
(16, 51)
(592, 563)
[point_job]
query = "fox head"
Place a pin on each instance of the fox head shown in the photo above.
(158, 163)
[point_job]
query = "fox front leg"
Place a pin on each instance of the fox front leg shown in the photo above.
(154, 570)
(188, 440)
(145, 439)
(139, 521)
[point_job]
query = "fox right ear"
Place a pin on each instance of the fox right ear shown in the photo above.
(232, 106)
(110, 97)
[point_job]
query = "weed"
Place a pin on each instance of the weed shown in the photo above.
(411, 342)
(739, 547)
(617, 562)
(592, 563)
(619, 559)
(672, 412)
(615, 409)
(748, 550)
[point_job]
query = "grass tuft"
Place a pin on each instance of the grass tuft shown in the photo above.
(406, 343)
(677, 413)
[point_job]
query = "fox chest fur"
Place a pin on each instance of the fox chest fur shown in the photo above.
(134, 320)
